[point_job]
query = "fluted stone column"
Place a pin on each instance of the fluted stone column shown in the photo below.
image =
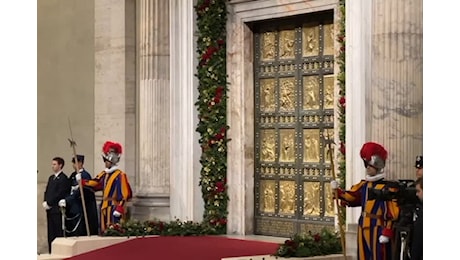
(153, 161)
(396, 110)
(383, 88)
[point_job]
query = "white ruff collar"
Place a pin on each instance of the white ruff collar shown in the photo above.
(375, 177)
(112, 169)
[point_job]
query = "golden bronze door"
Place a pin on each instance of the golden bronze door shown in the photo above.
(294, 113)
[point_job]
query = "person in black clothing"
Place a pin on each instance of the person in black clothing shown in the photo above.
(56, 189)
(75, 219)
(416, 251)
(409, 205)
(419, 166)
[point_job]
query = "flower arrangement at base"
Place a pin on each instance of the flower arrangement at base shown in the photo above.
(305, 245)
(156, 227)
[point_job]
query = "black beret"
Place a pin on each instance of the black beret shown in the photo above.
(80, 158)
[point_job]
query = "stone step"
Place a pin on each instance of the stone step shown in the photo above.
(62, 248)
(50, 257)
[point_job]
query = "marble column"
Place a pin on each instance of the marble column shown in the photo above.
(153, 161)
(396, 111)
(358, 15)
(114, 89)
(186, 197)
(383, 88)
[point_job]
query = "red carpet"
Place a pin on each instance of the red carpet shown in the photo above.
(180, 248)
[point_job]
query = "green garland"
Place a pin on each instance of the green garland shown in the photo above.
(341, 103)
(341, 84)
(212, 109)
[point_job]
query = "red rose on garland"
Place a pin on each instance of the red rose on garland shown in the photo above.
(342, 101)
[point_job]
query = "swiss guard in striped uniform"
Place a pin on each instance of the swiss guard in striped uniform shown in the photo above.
(116, 190)
(375, 225)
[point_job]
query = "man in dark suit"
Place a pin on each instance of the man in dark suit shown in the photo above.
(417, 240)
(56, 189)
(75, 218)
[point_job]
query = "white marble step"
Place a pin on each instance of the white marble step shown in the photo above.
(62, 248)
(51, 257)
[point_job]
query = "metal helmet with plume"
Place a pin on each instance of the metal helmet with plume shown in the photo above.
(111, 151)
(374, 154)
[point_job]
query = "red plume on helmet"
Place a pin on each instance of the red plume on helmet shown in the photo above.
(374, 154)
(110, 146)
(111, 152)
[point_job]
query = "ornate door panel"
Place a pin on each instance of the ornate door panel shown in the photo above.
(294, 115)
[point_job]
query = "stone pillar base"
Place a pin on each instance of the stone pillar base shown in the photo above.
(151, 207)
(351, 238)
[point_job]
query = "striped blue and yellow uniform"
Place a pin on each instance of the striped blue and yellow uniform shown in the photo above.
(116, 191)
(377, 217)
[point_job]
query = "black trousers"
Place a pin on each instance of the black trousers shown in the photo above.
(54, 222)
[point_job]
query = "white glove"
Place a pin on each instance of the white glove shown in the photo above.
(74, 188)
(78, 177)
(62, 203)
(116, 214)
(45, 205)
(384, 239)
(334, 184)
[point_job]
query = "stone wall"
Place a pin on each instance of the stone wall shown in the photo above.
(65, 91)
(42, 245)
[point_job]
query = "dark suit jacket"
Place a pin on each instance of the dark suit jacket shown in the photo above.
(417, 237)
(56, 189)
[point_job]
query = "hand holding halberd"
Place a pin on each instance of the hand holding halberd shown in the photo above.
(334, 185)
(45, 205)
(74, 188)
